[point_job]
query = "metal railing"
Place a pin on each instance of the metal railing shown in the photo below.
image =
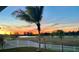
(70, 43)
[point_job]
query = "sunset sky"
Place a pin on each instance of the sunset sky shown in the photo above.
(54, 18)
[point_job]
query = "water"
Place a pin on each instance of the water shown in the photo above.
(26, 43)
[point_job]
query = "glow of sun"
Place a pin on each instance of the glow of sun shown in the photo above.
(4, 32)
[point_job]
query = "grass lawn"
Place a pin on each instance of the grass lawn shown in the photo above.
(25, 49)
(68, 41)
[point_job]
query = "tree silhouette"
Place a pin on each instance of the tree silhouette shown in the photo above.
(2, 41)
(60, 33)
(32, 14)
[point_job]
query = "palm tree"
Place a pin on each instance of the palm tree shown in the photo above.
(32, 14)
(60, 33)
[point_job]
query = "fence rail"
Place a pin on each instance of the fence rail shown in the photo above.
(47, 42)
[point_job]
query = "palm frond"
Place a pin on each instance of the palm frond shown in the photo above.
(31, 14)
(35, 12)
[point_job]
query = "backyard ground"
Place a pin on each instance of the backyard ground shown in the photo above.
(25, 49)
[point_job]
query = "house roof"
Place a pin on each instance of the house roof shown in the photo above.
(2, 8)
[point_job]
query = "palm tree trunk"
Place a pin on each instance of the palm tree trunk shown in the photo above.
(62, 43)
(38, 27)
(44, 43)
